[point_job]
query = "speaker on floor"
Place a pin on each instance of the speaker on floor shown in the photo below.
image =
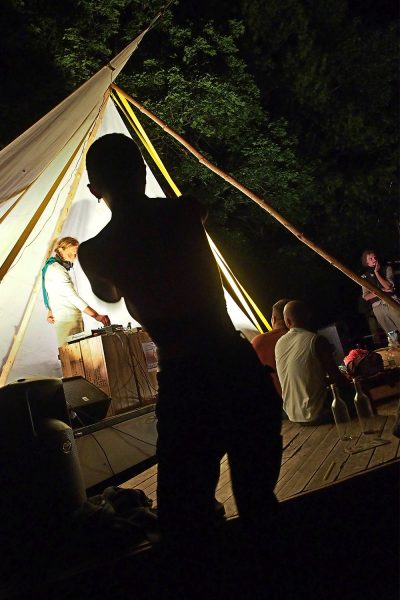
(86, 402)
(39, 461)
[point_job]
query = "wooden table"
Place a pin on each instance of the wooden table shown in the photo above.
(313, 457)
(390, 356)
(387, 383)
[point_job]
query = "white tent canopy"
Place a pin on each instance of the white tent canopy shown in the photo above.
(22, 161)
(44, 163)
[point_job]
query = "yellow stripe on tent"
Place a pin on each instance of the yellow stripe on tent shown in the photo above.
(128, 118)
(242, 289)
(149, 146)
(233, 282)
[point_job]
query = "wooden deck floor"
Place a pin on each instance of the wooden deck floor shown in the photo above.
(313, 457)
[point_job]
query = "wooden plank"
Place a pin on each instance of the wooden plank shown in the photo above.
(224, 492)
(94, 363)
(288, 428)
(120, 371)
(71, 360)
(150, 489)
(289, 465)
(313, 457)
(384, 391)
(231, 508)
(305, 463)
(363, 460)
(148, 485)
(224, 478)
(141, 478)
(297, 442)
(335, 456)
(289, 432)
(144, 362)
(224, 466)
(357, 462)
(301, 434)
(388, 452)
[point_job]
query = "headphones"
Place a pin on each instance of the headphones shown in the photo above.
(65, 263)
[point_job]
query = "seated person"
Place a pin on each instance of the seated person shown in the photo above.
(305, 367)
(264, 344)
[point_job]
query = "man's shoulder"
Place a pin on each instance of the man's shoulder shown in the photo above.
(296, 334)
(283, 338)
(259, 339)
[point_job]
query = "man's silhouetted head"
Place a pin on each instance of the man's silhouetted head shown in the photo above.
(114, 163)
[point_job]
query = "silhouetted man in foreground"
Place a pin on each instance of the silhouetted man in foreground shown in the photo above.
(214, 396)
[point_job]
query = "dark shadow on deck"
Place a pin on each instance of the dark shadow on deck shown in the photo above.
(339, 542)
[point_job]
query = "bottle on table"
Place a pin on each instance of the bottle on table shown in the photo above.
(341, 415)
(393, 339)
(393, 345)
(364, 409)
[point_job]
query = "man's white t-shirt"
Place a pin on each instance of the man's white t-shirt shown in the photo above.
(301, 375)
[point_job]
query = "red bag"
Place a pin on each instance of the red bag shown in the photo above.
(362, 363)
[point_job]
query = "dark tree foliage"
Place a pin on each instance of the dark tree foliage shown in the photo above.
(330, 69)
(297, 99)
(31, 82)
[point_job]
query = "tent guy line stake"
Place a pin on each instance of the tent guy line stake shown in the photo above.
(261, 202)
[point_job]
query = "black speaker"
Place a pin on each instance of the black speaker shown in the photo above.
(39, 461)
(88, 402)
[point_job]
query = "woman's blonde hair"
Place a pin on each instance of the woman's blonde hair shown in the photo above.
(64, 243)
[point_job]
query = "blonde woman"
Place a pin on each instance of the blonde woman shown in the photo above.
(64, 305)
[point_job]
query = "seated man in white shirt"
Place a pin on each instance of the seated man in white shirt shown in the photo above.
(305, 367)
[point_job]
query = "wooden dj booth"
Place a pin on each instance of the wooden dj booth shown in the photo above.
(110, 382)
(123, 364)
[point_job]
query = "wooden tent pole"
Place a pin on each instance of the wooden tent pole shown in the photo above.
(57, 230)
(261, 202)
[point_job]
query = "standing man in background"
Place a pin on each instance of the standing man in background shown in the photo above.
(381, 276)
